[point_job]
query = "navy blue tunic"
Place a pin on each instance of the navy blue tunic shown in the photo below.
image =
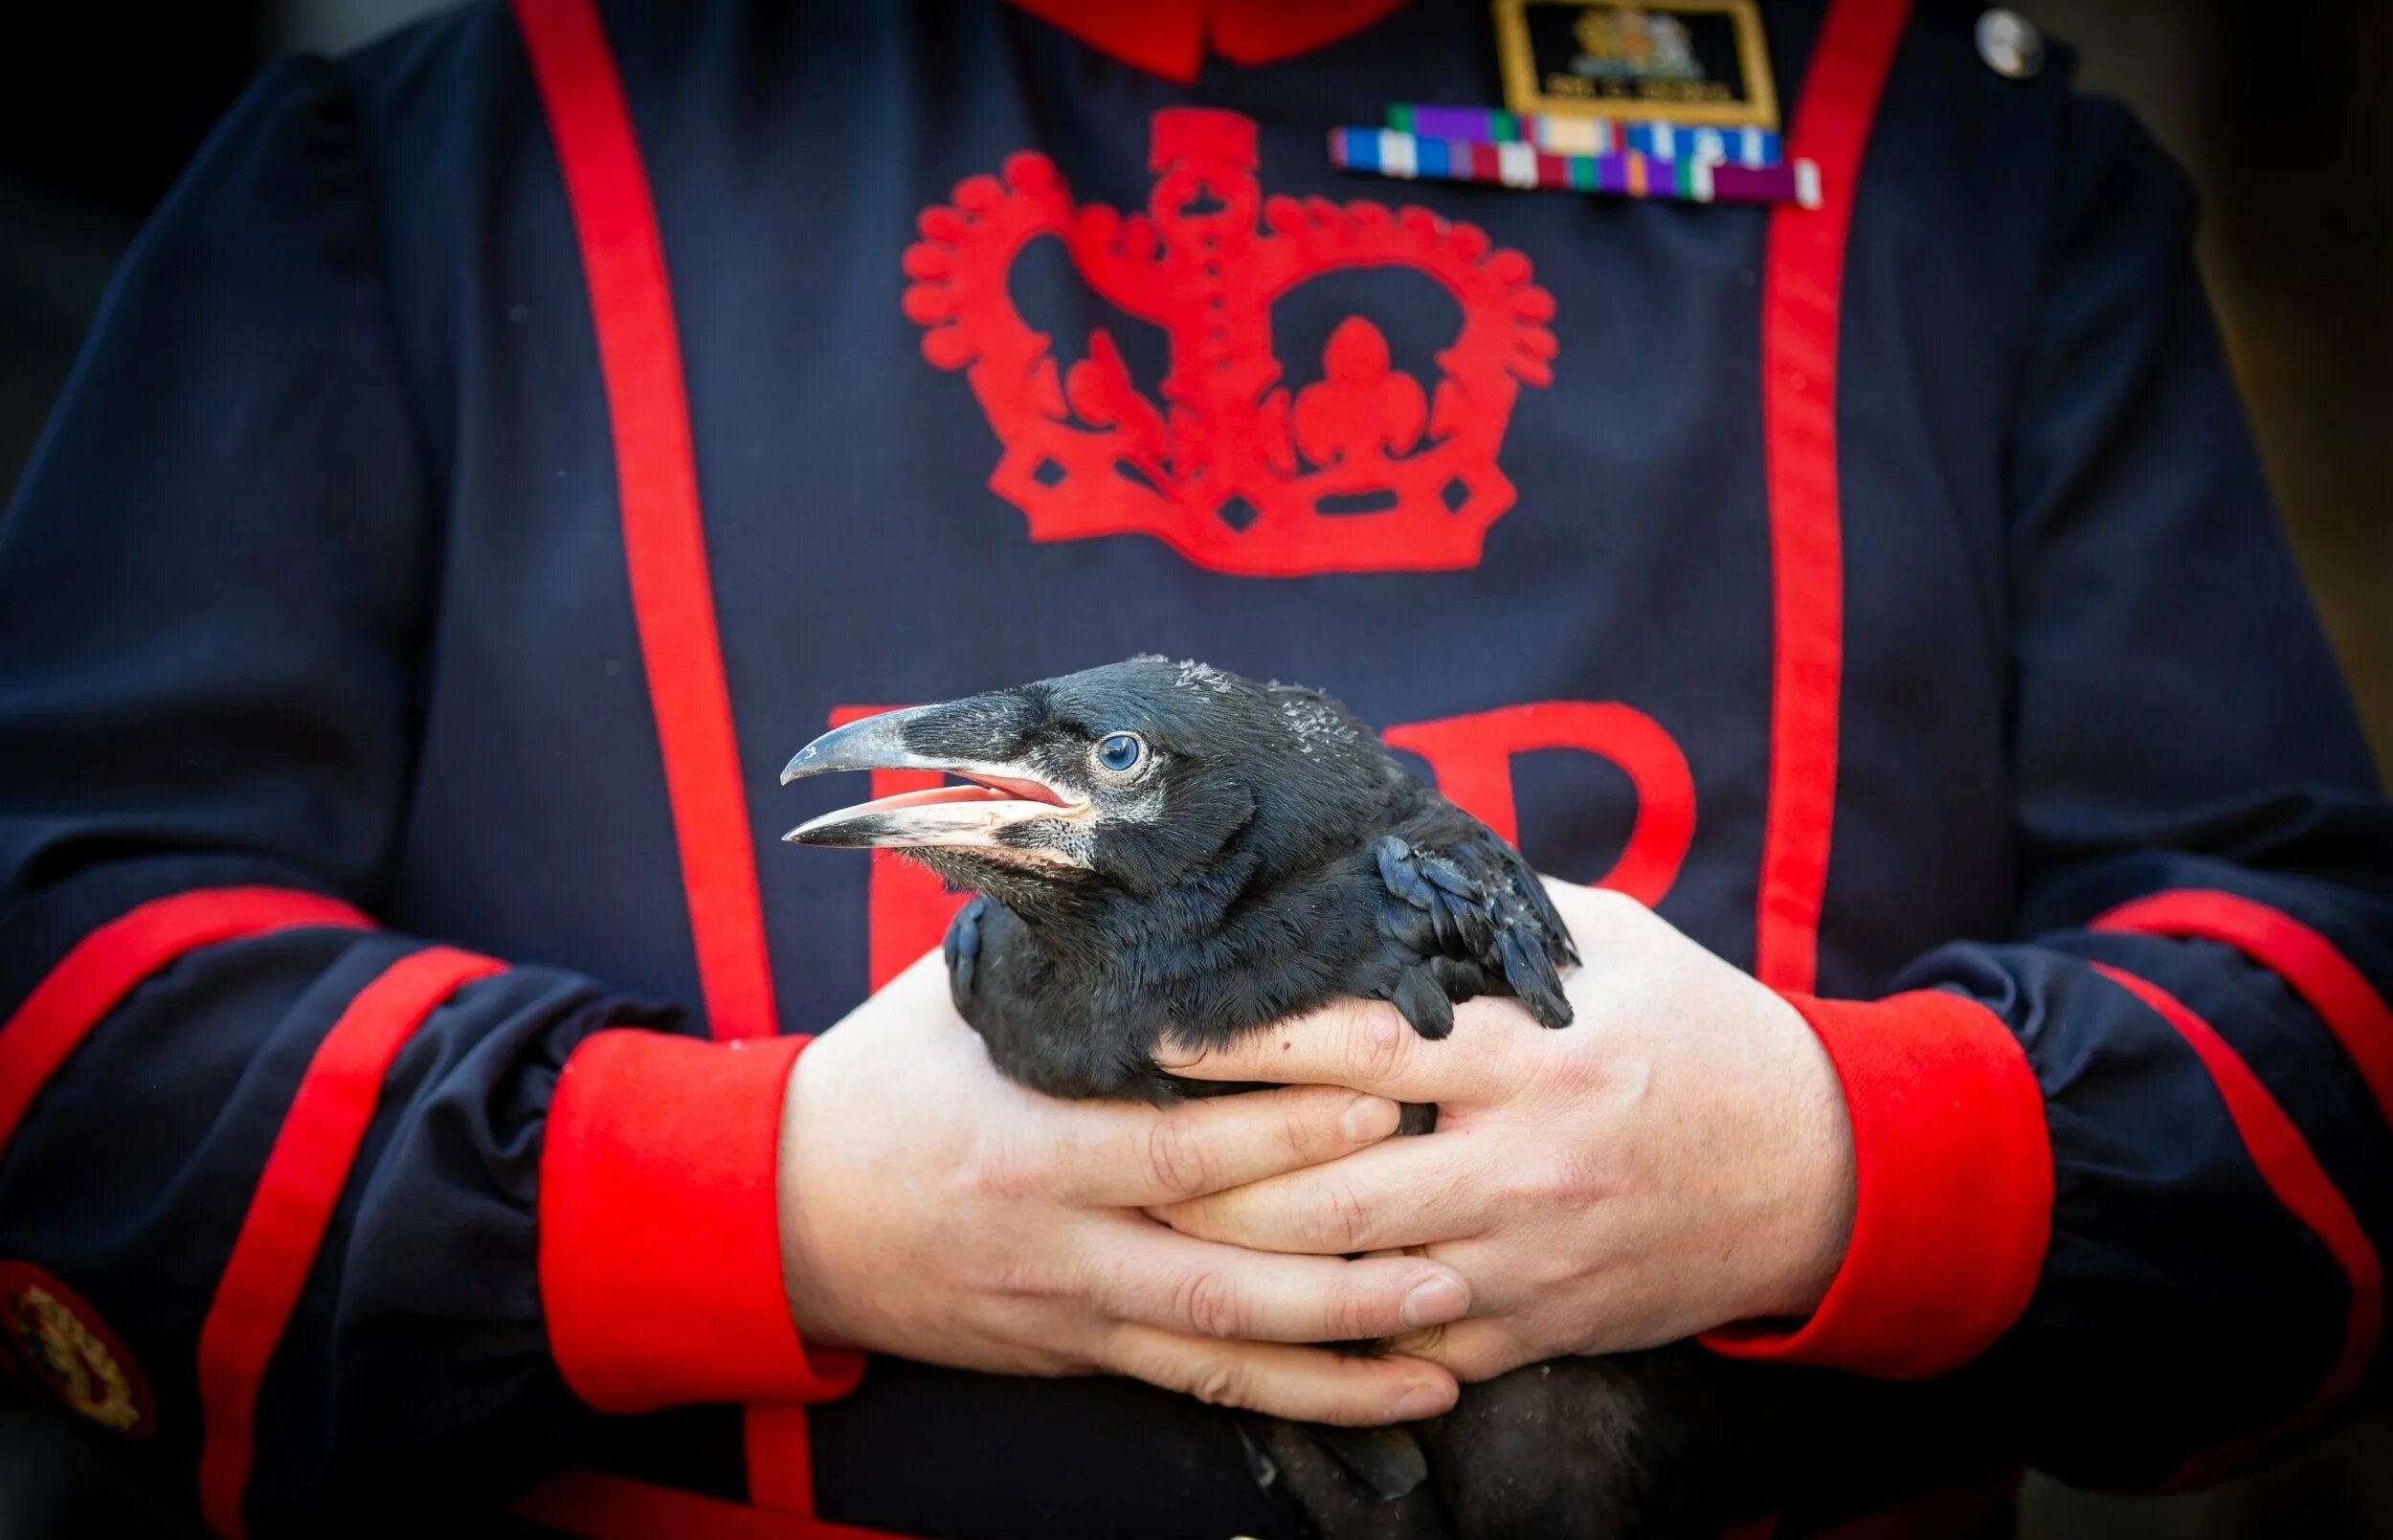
(320, 583)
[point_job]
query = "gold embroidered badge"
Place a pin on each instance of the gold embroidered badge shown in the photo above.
(1699, 62)
(60, 1343)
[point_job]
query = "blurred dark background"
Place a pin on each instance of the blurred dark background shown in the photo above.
(2283, 111)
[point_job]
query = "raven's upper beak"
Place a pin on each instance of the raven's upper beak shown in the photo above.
(1002, 795)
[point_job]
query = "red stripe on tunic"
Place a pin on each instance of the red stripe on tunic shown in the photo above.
(1802, 310)
(664, 539)
(73, 999)
(2310, 963)
(292, 1206)
(2286, 1162)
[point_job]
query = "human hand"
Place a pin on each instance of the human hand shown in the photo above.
(933, 1209)
(1677, 1158)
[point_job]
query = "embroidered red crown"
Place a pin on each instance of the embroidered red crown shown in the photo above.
(1360, 470)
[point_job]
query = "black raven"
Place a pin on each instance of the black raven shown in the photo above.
(1160, 843)
(1163, 848)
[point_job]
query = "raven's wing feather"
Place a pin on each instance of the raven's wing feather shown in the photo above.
(1473, 918)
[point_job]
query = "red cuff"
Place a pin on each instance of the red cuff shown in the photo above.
(660, 1236)
(1955, 1190)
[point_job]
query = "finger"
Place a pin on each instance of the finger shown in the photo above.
(1403, 1193)
(1360, 1044)
(1308, 1384)
(1473, 1350)
(1134, 1157)
(1194, 1288)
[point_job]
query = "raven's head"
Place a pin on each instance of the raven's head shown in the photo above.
(1136, 775)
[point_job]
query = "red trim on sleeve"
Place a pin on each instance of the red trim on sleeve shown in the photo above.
(1954, 1207)
(602, 1507)
(1801, 312)
(664, 541)
(301, 1182)
(2285, 1161)
(2307, 961)
(660, 1236)
(104, 967)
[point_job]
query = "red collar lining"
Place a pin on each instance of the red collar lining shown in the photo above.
(1168, 38)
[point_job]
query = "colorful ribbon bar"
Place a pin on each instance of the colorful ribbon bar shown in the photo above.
(1519, 164)
(1589, 135)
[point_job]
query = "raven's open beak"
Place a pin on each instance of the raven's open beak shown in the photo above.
(999, 797)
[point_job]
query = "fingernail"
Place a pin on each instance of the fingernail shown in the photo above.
(1420, 1401)
(1369, 1117)
(1173, 1055)
(1436, 1301)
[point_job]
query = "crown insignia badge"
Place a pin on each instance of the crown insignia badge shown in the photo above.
(1362, 470)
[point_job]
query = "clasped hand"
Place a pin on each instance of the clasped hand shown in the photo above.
(1675, 1160)
(932, 1209)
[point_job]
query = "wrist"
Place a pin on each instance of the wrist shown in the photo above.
(1953, 1195)
(806, 1201)
(1823, 1186)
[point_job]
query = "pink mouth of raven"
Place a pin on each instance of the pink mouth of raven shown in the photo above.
(980, 787)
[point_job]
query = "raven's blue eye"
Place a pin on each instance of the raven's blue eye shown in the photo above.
(1120, 753)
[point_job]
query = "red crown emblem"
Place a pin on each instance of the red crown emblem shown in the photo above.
(1361, 471)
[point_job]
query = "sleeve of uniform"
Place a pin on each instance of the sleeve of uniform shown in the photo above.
(2133, 1169)
(276, 1166)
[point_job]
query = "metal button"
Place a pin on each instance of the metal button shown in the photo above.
(2009, 44)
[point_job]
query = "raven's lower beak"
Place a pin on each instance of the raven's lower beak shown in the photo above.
(1000, 795)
